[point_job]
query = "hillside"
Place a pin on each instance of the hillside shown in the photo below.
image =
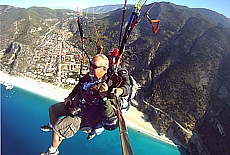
(183, 69)
(103, 9)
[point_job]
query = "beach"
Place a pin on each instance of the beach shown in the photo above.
(134, 118)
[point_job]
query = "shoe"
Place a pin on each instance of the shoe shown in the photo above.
(91, 135)
(49, 153)
(46, 128)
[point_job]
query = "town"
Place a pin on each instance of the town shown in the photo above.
(56, 60)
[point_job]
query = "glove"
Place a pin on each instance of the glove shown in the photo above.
(68, 100)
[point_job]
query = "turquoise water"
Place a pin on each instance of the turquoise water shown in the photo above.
(23, 112)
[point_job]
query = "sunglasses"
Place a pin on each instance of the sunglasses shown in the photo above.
(95, 66)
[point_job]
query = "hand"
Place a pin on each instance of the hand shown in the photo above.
(103, 90)
(103, 87)
(117, 91)
(66, 100)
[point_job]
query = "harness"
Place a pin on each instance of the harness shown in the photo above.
(89, 101)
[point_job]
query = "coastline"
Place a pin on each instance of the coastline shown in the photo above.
(134, 118)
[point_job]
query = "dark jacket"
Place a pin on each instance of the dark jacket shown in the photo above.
(119, 80)
(87, 98)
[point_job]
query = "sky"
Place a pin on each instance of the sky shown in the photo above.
(220, 6)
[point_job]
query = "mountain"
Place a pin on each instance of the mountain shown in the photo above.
(15, 22)
(104, 8)
(183, 69)
(219, 18)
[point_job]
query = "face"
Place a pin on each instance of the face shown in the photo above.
(97, 68)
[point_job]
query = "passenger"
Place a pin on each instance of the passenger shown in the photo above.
(86, 110)
(118, 85)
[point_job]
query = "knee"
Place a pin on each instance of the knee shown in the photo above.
(51, 110)
(66, 127)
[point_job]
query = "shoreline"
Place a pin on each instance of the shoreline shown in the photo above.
(134, 118)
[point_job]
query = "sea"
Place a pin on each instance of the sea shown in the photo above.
(23, 112)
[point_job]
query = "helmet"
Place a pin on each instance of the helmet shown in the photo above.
(114, 52)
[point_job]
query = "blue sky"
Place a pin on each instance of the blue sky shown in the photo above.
(220, 6)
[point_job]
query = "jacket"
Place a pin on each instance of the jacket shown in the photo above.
(87, 98)
(119, 80)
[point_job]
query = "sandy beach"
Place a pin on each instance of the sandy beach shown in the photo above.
(134, 118)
